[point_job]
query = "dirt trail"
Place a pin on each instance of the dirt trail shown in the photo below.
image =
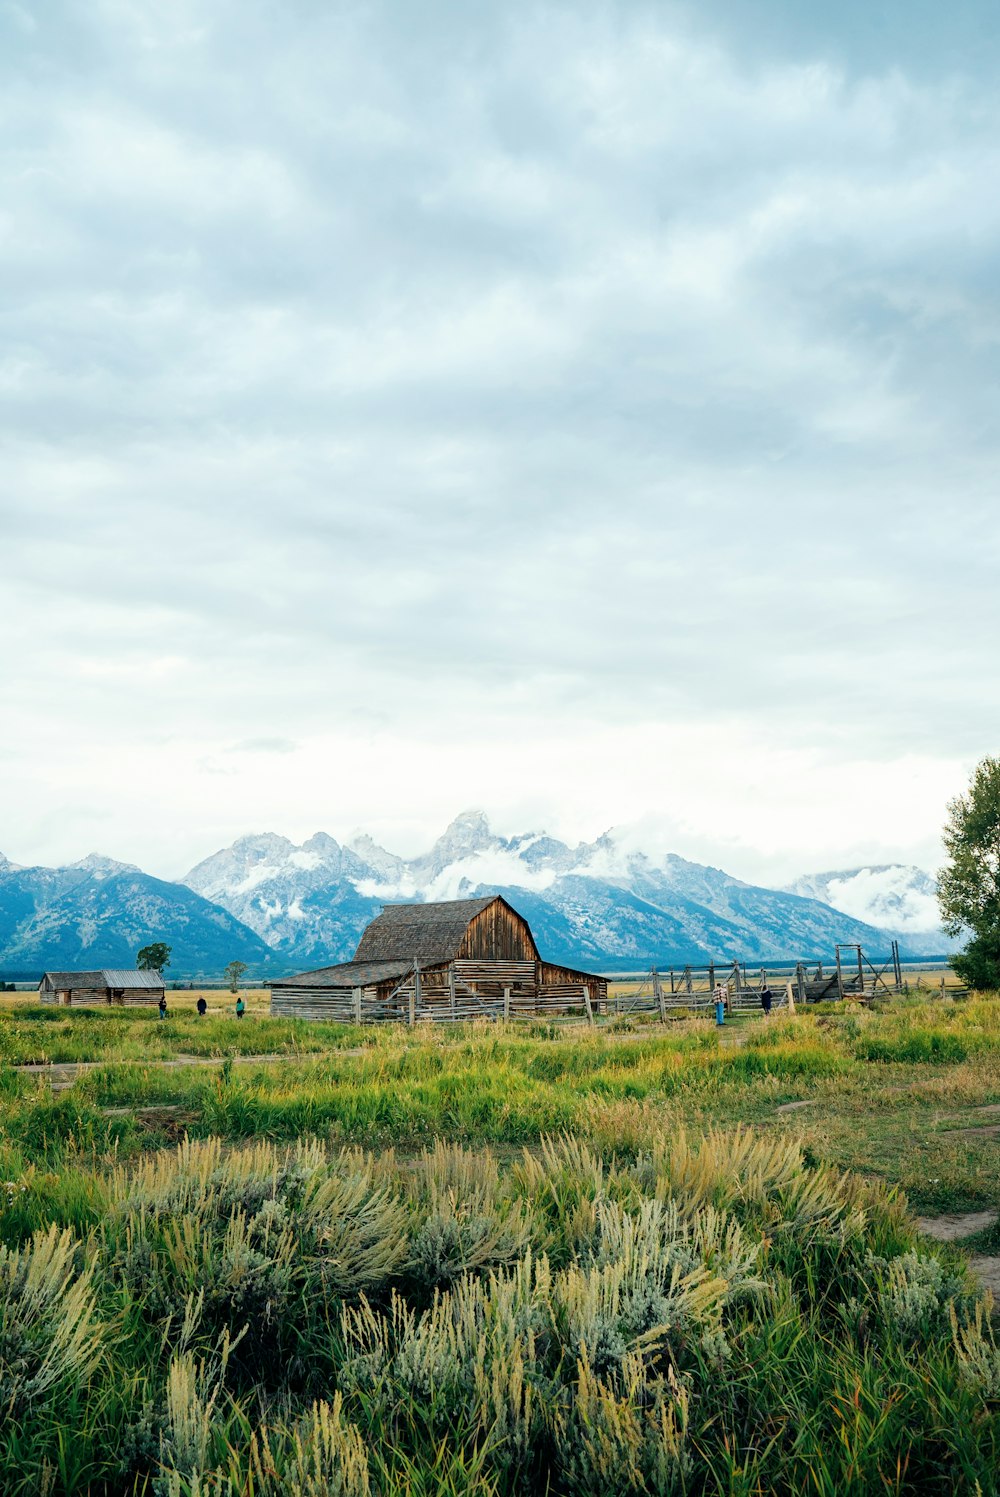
(987, 1271)
(62, 1073)
(953, 1226)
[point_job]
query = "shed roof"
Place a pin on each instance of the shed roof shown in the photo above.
(74, 979)
(347, 975)
(429, 932)
(132, 979)
(106, 978)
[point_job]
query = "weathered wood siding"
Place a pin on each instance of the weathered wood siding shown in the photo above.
(339, 1004)
(499, 934)
(555, 983)
(72, 995)
(149, 997)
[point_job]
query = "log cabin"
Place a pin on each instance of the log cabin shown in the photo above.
(110, 985)
(458, 959)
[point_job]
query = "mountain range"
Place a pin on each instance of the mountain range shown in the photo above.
(282, 907)
(600, 902)
(98, 913)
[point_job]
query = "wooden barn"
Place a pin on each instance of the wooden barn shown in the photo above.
(464, 959)
(107, 986)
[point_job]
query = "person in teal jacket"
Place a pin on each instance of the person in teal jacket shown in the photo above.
(240, 1007)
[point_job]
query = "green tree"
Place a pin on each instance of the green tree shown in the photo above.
(969, 884)
(234, 971)
(154, 957)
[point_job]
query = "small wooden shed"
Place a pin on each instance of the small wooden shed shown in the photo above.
(110, 985)
(460, 959)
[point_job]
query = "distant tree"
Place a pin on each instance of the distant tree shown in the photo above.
(234, 971)
(969, 884)
(154, 957)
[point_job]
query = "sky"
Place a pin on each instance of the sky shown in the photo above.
(587, 412)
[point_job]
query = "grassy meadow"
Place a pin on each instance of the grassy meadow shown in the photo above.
(265, 1256)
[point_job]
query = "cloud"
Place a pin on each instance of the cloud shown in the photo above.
(264, 746)
(521, 374)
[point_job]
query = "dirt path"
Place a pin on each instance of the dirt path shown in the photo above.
(953, 1226)
(62, 1073)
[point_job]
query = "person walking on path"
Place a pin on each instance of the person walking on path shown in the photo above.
(240, 1007)
(202, 1007)
(162, 1005)
(766, 999)
(720, 1004)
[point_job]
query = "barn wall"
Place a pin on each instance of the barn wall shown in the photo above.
(556, 982)
(76, 995)
(313, 1003)
(499, 933)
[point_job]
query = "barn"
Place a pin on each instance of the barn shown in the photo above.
(110, 985)
(460, 959)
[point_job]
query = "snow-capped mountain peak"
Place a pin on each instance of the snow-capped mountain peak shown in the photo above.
(470, 833)
(384, 865)
(101, 866)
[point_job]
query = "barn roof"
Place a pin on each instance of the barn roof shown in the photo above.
(348, 975)
(429, 932)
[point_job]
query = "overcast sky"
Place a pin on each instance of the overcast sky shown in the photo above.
(585, 412)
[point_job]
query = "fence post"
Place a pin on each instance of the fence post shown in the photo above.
(356, 996)
(791, 1000)
(506, 1003)
(658, 993)
(711, 977)
(587, 1004)
(800, 982)
(688, 988)
(415, 993)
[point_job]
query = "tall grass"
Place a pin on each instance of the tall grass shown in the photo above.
(699, 1313)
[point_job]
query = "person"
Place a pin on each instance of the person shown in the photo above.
(766, 998)
(240, 1007)
(162, 1005)
(202, 1007)
(720, 1003)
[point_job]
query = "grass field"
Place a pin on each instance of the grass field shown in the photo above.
(495, 1259)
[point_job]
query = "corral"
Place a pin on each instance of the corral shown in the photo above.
(454, 960)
